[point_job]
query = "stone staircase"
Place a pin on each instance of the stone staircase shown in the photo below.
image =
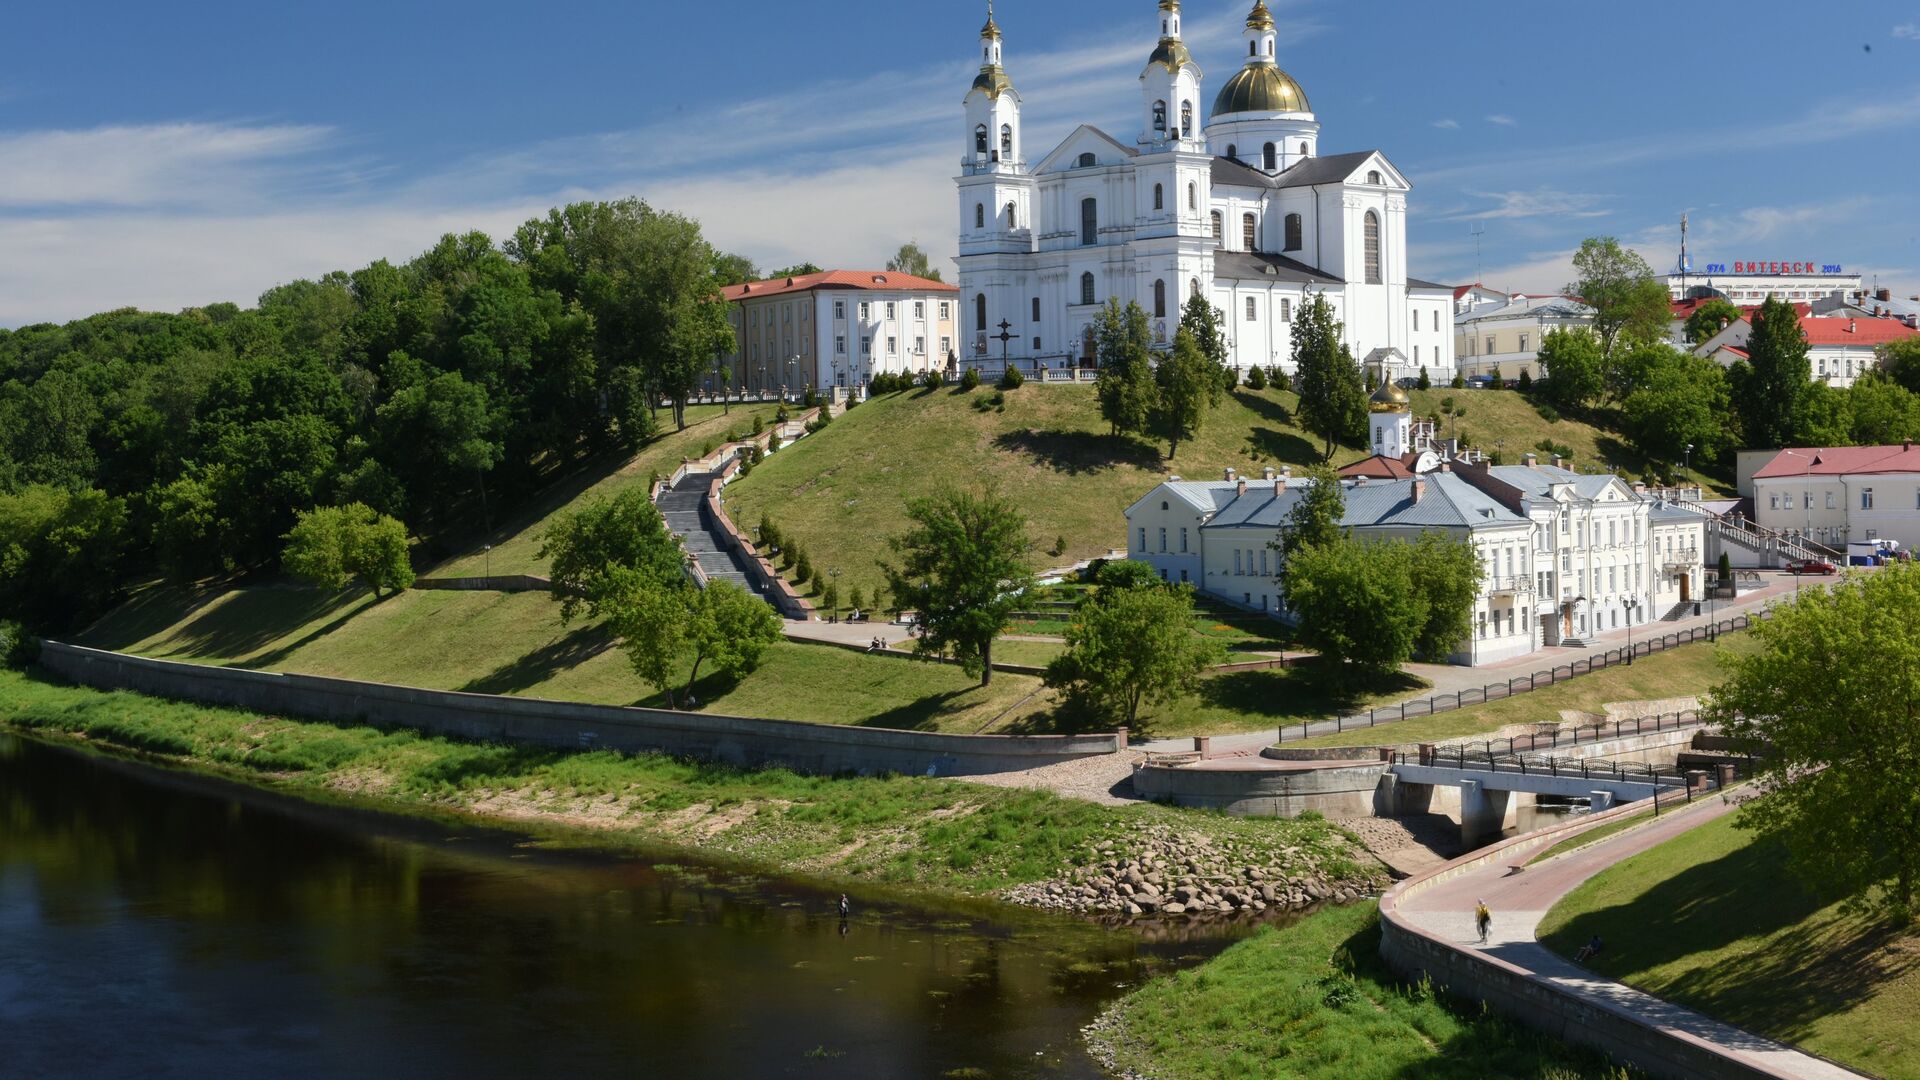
(684, 507)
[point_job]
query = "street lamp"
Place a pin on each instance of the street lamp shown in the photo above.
(793, 373)
(1631, 605)
(1686, 463)
(486, 552)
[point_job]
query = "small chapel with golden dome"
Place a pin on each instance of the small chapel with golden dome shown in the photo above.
(1228, 198)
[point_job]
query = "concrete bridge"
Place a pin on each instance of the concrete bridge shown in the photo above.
(1486, 784)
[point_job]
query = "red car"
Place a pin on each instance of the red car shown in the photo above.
(1811, 566)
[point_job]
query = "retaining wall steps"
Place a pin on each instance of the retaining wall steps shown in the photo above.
(684, 507)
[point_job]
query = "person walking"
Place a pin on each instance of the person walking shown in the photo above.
(846, 907)
(1483, 920)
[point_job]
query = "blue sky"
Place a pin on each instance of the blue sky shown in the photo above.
(169, 155)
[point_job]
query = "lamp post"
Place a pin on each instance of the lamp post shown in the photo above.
(486, 552)
(793, 374)
(1630, 605)
(1686, 463)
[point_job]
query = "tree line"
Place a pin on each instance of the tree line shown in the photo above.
(434, 393)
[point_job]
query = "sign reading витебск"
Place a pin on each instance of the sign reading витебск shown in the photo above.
(1776, 269)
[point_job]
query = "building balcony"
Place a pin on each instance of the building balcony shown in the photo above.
(1508, 586)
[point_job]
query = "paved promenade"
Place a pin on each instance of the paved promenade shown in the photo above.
(1520, 901)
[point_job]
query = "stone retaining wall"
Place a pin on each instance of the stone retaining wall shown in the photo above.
(514, 583)
(810, 748)
(1337, 792)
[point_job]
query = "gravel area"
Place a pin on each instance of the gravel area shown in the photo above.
(1106, 779)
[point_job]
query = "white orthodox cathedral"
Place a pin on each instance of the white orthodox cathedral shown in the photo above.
(1239, 206)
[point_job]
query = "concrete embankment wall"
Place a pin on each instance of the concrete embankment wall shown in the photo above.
(810, 748)
(1336, 791)
(1531, 999)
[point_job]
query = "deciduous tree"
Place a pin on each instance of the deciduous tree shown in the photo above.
(1189, 385)
(1709, 319)
(728, 627)
(1446, 581)
(1682, 402)
(1129, 646)
(1356, 603)
(963, 567)
(331, 545)
(911, 260)
(1630, 304)
(1333, 404)
(1575, 363)
(587, 546)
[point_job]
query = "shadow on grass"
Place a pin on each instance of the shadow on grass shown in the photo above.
(576, 647)
(253, 618)
(1079, 453)
(1266, 444)
(1308, 692)
(147, 611)
(1823, 968)
(1258, 403)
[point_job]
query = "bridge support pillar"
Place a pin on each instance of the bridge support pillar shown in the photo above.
(1483, 812)
(1602, 801)
(1395, 797)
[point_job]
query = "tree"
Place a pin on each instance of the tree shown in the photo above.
(699, 331)
(1189, 385)
(1900, 361)
(1884, 412)
(963, 567)
(729, 627)
(1314, 520)
(596, 550)
(1356, 603)
(1446, 579)
(1630, 305)
(61, 554)
(1256, 378)
(1830, 703)
(650, 616)
(1769, 385)
(1681, 403)
(1823, 416)
(1575, 364)
(1125, 388)
(1426, 381)
(1129, 646)
(331, 545)
(911, 260)
(734, 269)
(1332, 403)
(1200, 320)
(801, 270)
(1711, 317)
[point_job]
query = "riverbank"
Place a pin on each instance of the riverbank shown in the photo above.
(926, 835)
(1314, 1000)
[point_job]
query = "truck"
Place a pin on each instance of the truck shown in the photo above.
(1865, 553)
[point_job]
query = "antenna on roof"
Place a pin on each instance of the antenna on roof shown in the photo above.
(1477, 230)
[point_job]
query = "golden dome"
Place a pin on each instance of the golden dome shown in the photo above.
(1260, 18)
(1260, 88)
(994, 81)
(1389, 399)
(1172, 55)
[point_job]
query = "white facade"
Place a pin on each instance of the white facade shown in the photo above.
(1244, 211)
(838, 328)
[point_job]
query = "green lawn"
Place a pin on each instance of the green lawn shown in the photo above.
(1712, 919)
(516, 540)
(1683, 672)
(1313, 1000)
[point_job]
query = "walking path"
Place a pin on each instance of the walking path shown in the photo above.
(683, 507)
(1520, 901)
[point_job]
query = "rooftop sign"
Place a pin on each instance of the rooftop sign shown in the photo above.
(1776, 269)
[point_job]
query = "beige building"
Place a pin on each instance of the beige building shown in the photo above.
(838, 328)
(1841, 495)
(1501, 340)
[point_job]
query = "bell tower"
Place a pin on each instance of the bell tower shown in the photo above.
(997, 201)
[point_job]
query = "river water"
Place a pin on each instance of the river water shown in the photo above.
(159, 925)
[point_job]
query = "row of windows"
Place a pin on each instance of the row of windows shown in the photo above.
(1778, 501)
(786, 314)
(1269, 155)
(1160, 117)
(980, 136)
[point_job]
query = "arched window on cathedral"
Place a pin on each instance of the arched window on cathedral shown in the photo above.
(1159, 197)
(1373, 178)
(1086, 290)
(1253, 48)
(1159, 299)
(1272, 158)
(1013, 216)
(1006, 142)
(1233, 152)
(1219, 230)
(1193, 195)
(980, 312)
(980, 139)
(1160, 116)
(1303, 151)
(1373, 248)
(1089, 222)
(1088, 161)
(1036, 309)
(1293, 233)
(1250, 233)
(1193, 287)
(1186, 119)
(979, 215)
(1089, 348)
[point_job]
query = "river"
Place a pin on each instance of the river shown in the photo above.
(161, 925)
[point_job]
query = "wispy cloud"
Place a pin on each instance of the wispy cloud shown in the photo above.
(1541, 202)
(1907, 31)
(1503, 121)
(158, 165)
(1447, 125)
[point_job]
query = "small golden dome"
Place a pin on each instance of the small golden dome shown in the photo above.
(994, 81)
(1260, 88)
(1172, 55)
(1260, 18)
(1389, 399)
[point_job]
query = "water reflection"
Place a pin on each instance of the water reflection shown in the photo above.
(151, 926)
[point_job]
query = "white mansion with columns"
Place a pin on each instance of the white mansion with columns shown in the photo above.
(1238, 205)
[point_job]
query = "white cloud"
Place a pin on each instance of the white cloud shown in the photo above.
(1541, 202)
(157, 165)
(1503, 121)
(1908, 31)
(1447, 125)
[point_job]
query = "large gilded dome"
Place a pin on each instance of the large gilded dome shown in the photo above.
(1260, 88)
(1389, 399)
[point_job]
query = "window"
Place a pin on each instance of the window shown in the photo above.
(945, 311)
(919, 309)
(1523, 343)
(1373, 248)
(1086, 289)
(1270, 157)
(1253, 310)
(1236, 563)
(1183, 541)
(1830, 501)
(1159, 197)
(1807, 499)
(1143, 540)
(919, 346)
(1250, 232)
(866, 312)
(979, 139)
(1286, 311)
(980, 312)
(1089, 222)
(1219, 230)
(1186, 118)
(1866, 498)
(1006, 142)
(1036, 309)
(1159, 116)
(1163, 541)
(1013, 216)
(893, 310)
(946, 345)
(1159, 299)
(1373, 178)
(839, 345)
(1233, 152)
(866, 346)
(1294, 232)
(1088, 161)
(1193, 196)
(1036, 343)
(1490, 349)
(979, 215)
(893, 346)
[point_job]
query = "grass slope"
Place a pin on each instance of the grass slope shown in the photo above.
(927, 834)
(1712, 920)
(843, 492)
(1314, 1000)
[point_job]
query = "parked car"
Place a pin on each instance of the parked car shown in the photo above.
(1482, 382)
(1811, 566)
(1407, 383)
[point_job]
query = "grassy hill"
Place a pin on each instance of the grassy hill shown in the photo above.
(843, 492)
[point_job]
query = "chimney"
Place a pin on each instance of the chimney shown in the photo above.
(1230, 475)
(1286, 472)
(1883, 295)
(1446, 466)
(1268, 473)
(1639, 487)
(1531, 459)
(1853, 326)
(1419, 488)
(1359, 481)
(1559, 462)
(1241, 490)
(1279, 488)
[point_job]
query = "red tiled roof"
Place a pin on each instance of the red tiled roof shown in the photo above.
(1866, 333)
(1379, 467)
(838, 279)
(1842, 460)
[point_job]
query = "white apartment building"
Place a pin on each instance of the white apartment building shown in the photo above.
(838, 328)
(1841, 495)
(1503, 340)
(1841, 350)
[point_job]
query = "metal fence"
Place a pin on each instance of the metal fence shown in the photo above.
(1603, 731)
(1538, 680)
(1626, 772)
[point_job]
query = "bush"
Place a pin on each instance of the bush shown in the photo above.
(802, 570)
(1012, 380)
(1257, 378)
(931, 380)
(810, 400)
(1459, 381)
(1554, 449)
(769, 534)
(1059, 547)
(759, 426)
(773, 442)
(19, 649)
(1278, 376)
(1526, 381)
(1229, 377)
(1426, 381)
(971, 380)
(780, 413)
(1547, 412)
(994, 402)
